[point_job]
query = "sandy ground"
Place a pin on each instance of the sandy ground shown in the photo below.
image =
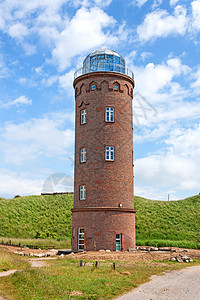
(135, 256)
(115, 256)
(176, 285)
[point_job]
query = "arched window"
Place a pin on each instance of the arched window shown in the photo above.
(116, 86)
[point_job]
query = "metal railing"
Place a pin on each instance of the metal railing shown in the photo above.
(104, 67)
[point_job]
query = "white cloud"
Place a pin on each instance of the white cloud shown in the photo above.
(155, 82)
(22, 100)
(37, 137)
(66, 82)
(13, 183)
(29, 49)
(149, 192)
(145, 55)
(49, 81)
(22, 183)
(82, 33)
(23, 80)
(196, 84)
(160, 24)
(140, 2)
(18, 31)
(195, 22)
(102, 3)
(169, 116)
(3, 68)
(23, 20)
(87, 3)
(173, 2)
(161, 102)
(156, 3)
(176, 167)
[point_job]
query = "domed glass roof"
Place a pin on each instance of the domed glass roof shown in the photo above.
(103, 60)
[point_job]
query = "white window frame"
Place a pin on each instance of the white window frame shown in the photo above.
(82, 194)
(118, 239)
(110, 114)
(83, 155)
(81, 239)
(93, 87)
(109, 153)
(83, 116)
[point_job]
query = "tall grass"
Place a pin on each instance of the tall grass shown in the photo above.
(43, 243)
(168, 243)
(8, 261)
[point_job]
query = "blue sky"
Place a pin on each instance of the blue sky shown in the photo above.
(42, 43)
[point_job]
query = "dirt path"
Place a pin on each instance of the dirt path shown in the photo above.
(40, 262)
(7, 273)
(176, 285)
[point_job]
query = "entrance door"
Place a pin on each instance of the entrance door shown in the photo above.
(118, 242)
(80, 239)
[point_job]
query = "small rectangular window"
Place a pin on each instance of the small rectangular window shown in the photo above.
(83, 116)
(109, 114)
(83, 155)
(122, 61)
(93, 57)
(116, 87)
(109, 153)
(82, 192)
(109, 56)
(81, 239)
(117, 60)
(101, 56)
(118, 242)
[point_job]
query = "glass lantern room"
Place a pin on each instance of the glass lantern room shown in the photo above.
(103, 61)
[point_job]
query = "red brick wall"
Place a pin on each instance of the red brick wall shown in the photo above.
(107, 183)
(101, 229)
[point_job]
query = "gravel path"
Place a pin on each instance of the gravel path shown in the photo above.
(176, 285)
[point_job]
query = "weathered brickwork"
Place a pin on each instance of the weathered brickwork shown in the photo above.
(101, 228)
(109, 184)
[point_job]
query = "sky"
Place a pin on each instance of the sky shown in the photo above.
(42, 44)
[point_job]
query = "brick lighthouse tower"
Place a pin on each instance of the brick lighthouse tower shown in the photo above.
(103, 216)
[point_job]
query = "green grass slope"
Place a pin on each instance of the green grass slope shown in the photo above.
(174, 220)
(26, 217)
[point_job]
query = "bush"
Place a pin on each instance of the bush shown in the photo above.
(44, 235)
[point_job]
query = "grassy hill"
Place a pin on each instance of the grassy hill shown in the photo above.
(44, 216)
(173, 221)
(157, 222)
